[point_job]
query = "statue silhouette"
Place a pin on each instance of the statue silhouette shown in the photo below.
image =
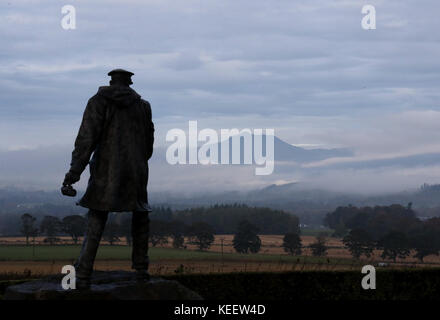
(117, 129)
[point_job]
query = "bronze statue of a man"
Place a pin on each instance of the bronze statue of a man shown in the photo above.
(117, 129)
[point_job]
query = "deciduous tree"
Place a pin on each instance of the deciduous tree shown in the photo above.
(28, 228)
(50, 226)
(359, 242)
(292, 243)
(74, 226)
(395, 245)
(201, 234)
(246, 239)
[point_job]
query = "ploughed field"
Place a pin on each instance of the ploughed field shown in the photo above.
(40, 259)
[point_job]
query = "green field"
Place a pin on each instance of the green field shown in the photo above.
(70, 252)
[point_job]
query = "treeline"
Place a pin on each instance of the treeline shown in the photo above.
(394, 229)
(225, 218)
(52, 227)
(164, 223)
(198, 226)
(164, 227)
(198, 233)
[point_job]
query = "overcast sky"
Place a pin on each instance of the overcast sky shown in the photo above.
(305, 68)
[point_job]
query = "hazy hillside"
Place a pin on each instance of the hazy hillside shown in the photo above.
(309, 204)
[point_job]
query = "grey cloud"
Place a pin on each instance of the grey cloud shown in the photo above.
(305, 68)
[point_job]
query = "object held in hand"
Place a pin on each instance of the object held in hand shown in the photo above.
(68, 191)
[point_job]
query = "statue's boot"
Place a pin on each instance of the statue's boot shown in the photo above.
(140, 231)
(84, 266)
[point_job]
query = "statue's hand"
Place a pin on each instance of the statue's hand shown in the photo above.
(70, 178)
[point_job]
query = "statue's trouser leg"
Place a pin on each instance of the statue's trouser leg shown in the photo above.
(95, 226)
(140, 225)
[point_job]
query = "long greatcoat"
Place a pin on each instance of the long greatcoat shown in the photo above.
(117, 128)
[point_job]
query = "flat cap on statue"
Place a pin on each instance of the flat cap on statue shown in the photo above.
(120, 71)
